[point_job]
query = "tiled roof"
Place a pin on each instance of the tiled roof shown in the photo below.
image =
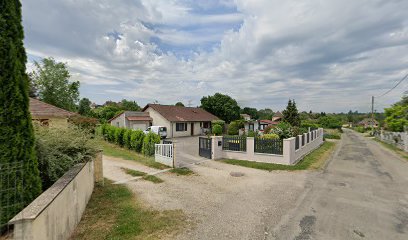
(270, 122)
(139, 118)
(132, 114)
(41, 109)
(182, 114)
(278, 114)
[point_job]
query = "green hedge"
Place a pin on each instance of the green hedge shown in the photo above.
(131, 139)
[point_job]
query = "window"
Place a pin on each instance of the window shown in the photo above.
(181, 127)
(206, 124)
(251, 127)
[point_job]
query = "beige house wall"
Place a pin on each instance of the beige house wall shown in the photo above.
(159, 120)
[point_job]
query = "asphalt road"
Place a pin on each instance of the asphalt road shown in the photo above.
(362, 194)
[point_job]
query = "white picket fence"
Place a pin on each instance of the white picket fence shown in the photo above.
(164, 154)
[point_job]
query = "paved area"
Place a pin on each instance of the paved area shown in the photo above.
(363, 194)
(187, 151)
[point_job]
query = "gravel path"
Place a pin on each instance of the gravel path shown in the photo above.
(218, 205)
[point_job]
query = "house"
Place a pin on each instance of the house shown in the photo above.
(180, 121)
(277, 117)
(245, 116)
(49, 115)
(132, 120)
(368, 122)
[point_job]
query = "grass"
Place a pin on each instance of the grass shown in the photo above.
(115, 213)
(181, 171)
(144, 175)
(314, 160)
(393, 148)
(119, 152)
(332, 133)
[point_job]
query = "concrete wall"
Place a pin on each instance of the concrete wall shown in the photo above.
(120, 121)
(159, 120)
(290, 155)
(58, 210)
(390, 137)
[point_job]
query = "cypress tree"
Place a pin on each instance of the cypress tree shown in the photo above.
(19, 167)
(291, 114)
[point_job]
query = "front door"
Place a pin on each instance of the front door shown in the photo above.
(192, 129)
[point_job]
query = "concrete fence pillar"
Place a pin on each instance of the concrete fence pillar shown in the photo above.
(300, 141)
(250, 146)
(406, 141)
(289, 150)
(98, 169)
(216, 147)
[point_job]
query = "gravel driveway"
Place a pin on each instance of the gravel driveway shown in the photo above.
(218, 205)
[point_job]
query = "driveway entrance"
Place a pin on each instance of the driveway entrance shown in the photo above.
(186, 151)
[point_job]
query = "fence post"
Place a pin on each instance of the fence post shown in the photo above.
(289, 150)
(216, 148)
(98, 169)
(250, 146)
(406, 141)
(300, 141)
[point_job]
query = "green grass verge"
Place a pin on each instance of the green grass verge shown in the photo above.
(116, 151)
(153, 179)
(144, 175)
(314, 160)
(114, 213)
(181, 171)
(393, 148)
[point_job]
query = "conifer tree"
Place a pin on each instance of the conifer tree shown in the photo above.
(291, 114)
(16, 130)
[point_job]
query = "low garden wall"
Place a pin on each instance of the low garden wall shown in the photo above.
(398, 139)
(58, 210)
(288, 152)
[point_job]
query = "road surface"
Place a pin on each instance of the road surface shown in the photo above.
(362, 194)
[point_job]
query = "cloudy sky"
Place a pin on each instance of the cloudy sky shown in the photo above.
(328, 55)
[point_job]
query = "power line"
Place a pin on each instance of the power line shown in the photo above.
(393, 87)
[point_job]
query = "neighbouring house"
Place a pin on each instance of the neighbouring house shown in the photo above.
(132, 120)
(49, 115)
(264, 123)
(277, 117)
(245, 116)
(180, 121)
(368, 122)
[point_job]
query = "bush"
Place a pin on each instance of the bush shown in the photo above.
(60, 149)
(268, 129)
(252, 133)
(218, 122)
(283, 130)
(148, 143)
(234, 126)
(330, 122)
(126, 138)
(85, 123)
(136, 140)
(360, 129)
(217, 129)
(270, 136)
(309, 124)
(118, 136)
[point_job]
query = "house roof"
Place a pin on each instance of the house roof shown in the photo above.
(368, 121)
(278, 114)
(182, 114)
(244, 115)
(134, 116)
(269, 122)
(39, 109)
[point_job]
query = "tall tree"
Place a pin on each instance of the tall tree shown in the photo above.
(222, 106)
(16, 130)
(84, 107)
(397, 115)
(291, 114)
(52, 80)
(266, 113)
(251, 112)
(179, 104)
(129, 105)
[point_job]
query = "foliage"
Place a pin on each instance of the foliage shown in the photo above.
(331, 136)
(222, 106)
(182, 171)
(136, 140)
(251, 112)
(266, 113)
(111, 109)
(179, 104)
(16, 131)
(127, 138)
(128, 105)
(360, 129)
(84, 107)
(252, 133)
(397, 117)
(270, 136)
(54, 86)
(234, 126)
(119, 136)
(283, 130)
(268, 129)
(84, 123)
(312, 124)
(59, 149)
(217, 129)
(299, 131)
(148, 143)
(330, 121)
(291, 114)
(218, 122)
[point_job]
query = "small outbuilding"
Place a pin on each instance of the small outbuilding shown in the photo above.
(132, 120)
(49, 115)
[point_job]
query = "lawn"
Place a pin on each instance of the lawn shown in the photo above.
(393, 148)
(314, 160)
(116, 151)
(332, 133)
(144, 175)
(115, 213)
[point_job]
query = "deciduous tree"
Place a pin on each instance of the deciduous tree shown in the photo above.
(222, 106)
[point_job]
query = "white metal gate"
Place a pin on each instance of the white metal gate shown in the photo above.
(164, 154)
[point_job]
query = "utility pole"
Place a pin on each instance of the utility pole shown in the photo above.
(372, 114)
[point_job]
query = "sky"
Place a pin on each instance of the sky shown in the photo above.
(329, 56)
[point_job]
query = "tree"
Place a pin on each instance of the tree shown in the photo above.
(291, 114)
(397, 115)
(84, 107)
(330, 121)
(127, 105)
(179, 104)
(251, 112)
(266, 113)
(222, 106)
(16, 130)
(54, 86)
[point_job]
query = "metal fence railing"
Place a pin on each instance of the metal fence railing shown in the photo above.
(271, 146)
(234, 143)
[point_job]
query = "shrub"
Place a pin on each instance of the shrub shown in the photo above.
(218, 122)
(110, 132)
(270, 136)
(136, 140)
(360, 129)
(217, 129)
(268, 129)
(126, 138)
(330, 122)
(234, 126)
(148, 143)
(283, 130)
(252, 133)
(118, 136)
(60, 149)
(309, 124)
(85, 123)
